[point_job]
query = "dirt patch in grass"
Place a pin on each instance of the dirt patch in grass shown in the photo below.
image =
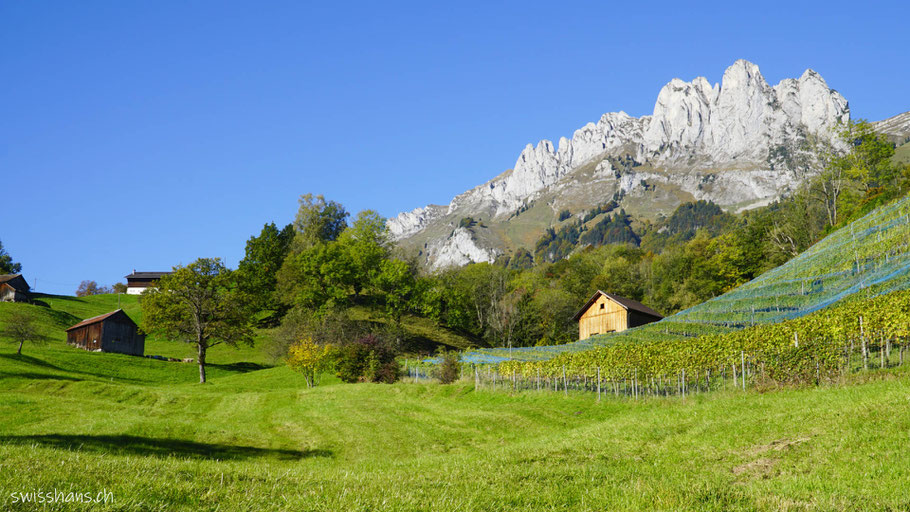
(758, 468)
(778, 445)
(764, 467)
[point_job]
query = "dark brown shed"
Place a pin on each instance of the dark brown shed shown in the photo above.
(13, 288)
(111, 332)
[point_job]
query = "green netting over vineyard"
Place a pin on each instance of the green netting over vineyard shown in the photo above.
(870, 256)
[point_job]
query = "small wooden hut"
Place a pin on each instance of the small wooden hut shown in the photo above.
(13, 288)
(111, 332)
(606, 312)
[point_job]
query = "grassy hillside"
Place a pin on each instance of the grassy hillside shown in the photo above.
(58, 312)
(902, 154)
(140, 429)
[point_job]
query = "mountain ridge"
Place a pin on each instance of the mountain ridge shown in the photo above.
(737, 143)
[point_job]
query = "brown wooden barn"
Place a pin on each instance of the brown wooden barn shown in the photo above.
(13, 288)
(111, 332)
(606, 312)
(138, 282)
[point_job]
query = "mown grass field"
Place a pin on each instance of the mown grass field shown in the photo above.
(258, 440)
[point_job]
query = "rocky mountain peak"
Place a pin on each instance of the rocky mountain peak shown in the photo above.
(708, 141)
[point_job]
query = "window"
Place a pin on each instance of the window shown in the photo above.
(601, 306)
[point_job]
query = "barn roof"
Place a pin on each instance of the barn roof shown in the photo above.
(12, 279)
(629, 304)
(147, 275)
(100, 318)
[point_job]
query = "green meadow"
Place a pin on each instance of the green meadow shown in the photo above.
(255, 438)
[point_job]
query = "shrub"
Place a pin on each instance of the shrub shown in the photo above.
(448, 368)
(368, 359)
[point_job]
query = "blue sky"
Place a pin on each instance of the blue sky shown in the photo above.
(147, 134)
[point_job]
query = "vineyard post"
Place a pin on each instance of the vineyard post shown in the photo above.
(684, 382)
(598, 383)
(862, 339)
(795, 340)
(881, 351)
(476, 378)
(565, 381)
(846, 367)
(734, 375)
(538, 378)
(742, 356)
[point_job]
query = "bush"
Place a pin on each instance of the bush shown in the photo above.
(467, 222)
(448, 368)
(563, 215)
(368, 359)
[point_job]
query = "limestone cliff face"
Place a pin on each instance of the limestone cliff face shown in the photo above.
(729, 135)
(897, 127)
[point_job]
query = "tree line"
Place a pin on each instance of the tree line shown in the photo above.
(309, 279)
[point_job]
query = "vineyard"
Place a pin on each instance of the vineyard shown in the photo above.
(833, 309)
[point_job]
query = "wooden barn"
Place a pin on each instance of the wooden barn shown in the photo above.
(605, 313)
(13, 288)
(112, 332)
(138, 282)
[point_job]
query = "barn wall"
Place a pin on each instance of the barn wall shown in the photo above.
(599, 320)
(10, 294)
(122, 338)
(7, 293)
(87, 337)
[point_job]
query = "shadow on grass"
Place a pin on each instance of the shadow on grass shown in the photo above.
(24, 358)
(238, 367)
(154, 447)
(35, 376)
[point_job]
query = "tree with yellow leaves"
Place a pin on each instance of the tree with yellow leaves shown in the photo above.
(309, 358)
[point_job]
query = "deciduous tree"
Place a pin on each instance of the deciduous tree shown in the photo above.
(89, 287)
(7, 265)
(318, 278)
(200, 304)
(367, 240)
(21, 326)
(318, 221)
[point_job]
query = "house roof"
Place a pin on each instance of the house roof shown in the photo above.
(628, 304)
(11, 278)
(100, 318)
(147, 275)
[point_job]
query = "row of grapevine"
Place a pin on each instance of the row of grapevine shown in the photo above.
(857, 334)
